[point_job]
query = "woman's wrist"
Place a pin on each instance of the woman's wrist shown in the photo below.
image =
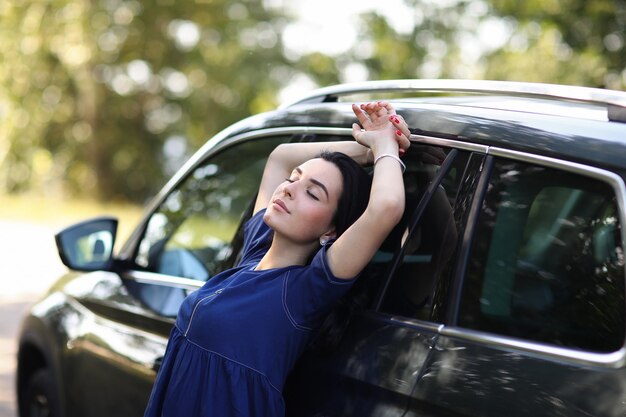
(385, 146)
(391, 156)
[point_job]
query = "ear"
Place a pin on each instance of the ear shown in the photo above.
(329, 235)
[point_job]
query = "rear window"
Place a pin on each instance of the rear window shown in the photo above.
(547, 261)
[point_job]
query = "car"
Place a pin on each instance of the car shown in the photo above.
(500, 292)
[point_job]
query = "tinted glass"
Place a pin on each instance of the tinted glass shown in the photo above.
(191, 232)
(547, 261)
(423, 164)
(431, 245)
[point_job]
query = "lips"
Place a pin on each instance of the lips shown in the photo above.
(282, 205)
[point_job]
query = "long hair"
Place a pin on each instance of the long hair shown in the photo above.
(352, 203)
(355, 192)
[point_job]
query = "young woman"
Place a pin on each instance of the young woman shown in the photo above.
(236, 338)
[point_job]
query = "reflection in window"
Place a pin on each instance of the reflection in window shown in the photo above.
(547, 262)
(191, 232)
(430, 246)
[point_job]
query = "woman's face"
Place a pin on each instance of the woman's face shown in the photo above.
(303, 206)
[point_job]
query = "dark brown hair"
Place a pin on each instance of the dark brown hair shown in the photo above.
(355, 192)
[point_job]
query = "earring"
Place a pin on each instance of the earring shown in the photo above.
(323, 241)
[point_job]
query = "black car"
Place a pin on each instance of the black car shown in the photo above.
(501, 291)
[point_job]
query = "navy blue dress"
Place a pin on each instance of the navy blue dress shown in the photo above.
(237, 337)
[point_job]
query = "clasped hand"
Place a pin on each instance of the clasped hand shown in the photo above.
(381, 126)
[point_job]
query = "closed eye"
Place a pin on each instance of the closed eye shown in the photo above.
(312, 195)
(289, 180)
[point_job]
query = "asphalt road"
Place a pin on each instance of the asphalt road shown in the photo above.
(28, 265)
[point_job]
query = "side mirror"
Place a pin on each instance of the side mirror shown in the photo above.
(88, 246)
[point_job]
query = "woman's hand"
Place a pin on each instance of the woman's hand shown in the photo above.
(381, 127)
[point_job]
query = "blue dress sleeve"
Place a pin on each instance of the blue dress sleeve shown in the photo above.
(309, 293)
(257, 237)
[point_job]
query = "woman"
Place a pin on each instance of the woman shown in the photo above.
(236, 339)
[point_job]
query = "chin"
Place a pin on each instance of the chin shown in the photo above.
(267, 217)
(271, 219)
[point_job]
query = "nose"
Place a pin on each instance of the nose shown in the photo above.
(288, 190)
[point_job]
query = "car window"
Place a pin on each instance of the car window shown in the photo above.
(547, 260)
(430, 246)
(190, 234)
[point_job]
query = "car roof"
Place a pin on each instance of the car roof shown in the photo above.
(572, 123)
(613, 100)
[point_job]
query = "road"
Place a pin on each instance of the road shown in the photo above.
(28, 265)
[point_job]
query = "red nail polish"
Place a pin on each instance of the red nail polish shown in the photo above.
(398, 133)
(391, 118)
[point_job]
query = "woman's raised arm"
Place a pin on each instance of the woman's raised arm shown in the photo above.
(385, 133)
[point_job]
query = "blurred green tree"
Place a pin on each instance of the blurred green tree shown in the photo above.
(109, 97)
(576, 42)
(568, 41)
(106, 98)
(427, 44)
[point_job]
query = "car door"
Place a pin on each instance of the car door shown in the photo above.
(366, 362)
(188, 238)
(536, 326)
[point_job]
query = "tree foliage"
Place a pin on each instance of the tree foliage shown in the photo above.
(107, 97)
(563, 41)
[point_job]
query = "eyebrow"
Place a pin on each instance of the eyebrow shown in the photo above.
(314, 181)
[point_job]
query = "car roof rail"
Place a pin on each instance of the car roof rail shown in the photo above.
(615, 101)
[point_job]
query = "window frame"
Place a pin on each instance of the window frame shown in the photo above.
(614, 359)
(394, 263)
(414, 221)
(214, 146)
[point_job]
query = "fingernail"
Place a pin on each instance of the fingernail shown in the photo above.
(401, 151)
(398, 133)
(391, 118)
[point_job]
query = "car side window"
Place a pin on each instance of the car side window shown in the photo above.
(547, 260)
(190, 233)
(428, 245)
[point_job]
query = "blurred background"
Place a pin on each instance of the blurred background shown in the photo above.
(102, 100)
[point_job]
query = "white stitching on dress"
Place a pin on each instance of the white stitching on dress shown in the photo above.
(286, 309)
(194, 311)
(329, 275)
(237, 362)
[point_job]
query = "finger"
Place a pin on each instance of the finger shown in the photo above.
(356, 131)
(404, 144)
(400, 124)
(363, 119)
(376, 112)
(367, 108)
(403, 140)
(390, 109)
